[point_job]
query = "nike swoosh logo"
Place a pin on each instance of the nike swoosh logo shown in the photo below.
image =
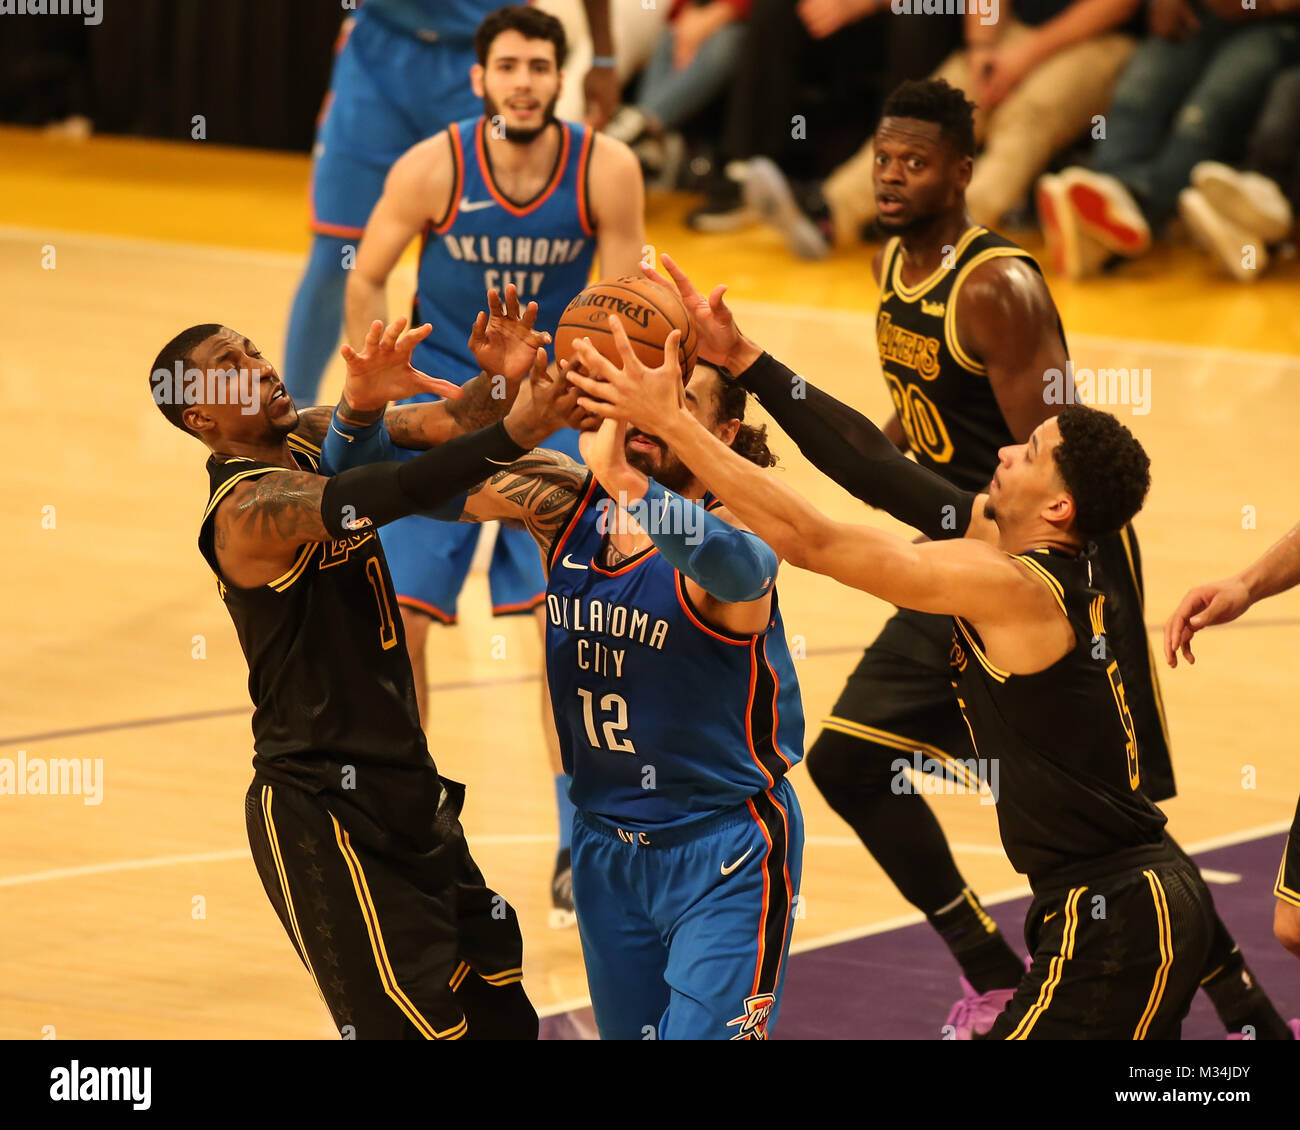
(728, 870)
(1050, 917)
(475, 206)
(574, 565)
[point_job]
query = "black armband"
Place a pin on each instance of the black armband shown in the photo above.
(379, 493)
(847, 447)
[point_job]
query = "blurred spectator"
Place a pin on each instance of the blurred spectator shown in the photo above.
(1237, 215)
(1038, 78)
(693, 60)
(803, 96)
(634, 27)
(1189, 96)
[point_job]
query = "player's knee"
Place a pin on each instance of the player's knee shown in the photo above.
(839, 765)
(416, 625)
(1286, 926)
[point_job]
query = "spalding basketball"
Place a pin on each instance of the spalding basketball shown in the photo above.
(649, 313)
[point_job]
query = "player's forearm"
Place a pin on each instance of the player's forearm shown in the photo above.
(380, 493)
(776, 514)
(1275, 572)
(365, 302)
(846, 446)
(598, 23)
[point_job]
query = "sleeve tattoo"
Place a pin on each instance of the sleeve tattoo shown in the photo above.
(541, 490)
(275, 512)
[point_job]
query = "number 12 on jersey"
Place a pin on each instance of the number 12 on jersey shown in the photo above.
(610, 727)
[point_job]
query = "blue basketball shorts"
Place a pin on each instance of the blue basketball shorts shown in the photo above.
(389, 91)
(429, 560)
(687, 938)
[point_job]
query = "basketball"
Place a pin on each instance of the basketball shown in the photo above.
(649, 313)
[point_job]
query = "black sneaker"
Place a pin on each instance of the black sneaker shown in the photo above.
(724, 209)
(771, 196)
(562, 915)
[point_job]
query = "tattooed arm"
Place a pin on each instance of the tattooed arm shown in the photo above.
(260, 526)
(312, 424)
(539, 491)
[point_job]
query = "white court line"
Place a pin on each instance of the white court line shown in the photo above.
(543, 838)
(1007, 895)
(1211, 876)
(865, 320)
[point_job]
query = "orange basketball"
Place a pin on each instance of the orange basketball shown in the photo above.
(649, 313)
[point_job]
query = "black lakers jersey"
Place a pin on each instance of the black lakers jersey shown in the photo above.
(941, 393)
(1068, 777)
(327, 666)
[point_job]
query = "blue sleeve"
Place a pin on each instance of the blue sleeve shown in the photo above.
(347, 446)
(730, 564)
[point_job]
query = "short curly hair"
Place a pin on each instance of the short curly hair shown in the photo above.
(1104, 468)
(933, 100)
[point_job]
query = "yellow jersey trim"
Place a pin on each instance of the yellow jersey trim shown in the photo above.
(1055, 971)
(964, 359)
(1164, 930)
(910, 294)
(996, 672)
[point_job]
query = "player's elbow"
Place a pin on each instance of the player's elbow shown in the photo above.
(1286, 926)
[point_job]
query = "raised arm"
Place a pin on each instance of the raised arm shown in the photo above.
(1222, 601)
(966, 578)
(840, 442)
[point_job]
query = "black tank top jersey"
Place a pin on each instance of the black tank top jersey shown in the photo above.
(1067, 775)
(941, 393)
(327, 667)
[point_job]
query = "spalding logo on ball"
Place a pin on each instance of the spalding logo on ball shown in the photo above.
(649, 313)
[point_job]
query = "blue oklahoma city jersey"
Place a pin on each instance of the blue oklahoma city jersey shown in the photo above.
(441, 19)
(544, 246)
(661, 717)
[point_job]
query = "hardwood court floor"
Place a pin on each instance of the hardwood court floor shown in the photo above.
(142, 916)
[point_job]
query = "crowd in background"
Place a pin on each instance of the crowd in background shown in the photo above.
(1102, 121)
(1099, 120)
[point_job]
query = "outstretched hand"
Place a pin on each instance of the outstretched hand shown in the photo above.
(1215, 603)
(382, 371)
(720, 337)
(504, 340)
(648, 398)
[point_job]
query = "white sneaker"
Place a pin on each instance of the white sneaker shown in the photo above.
(1250, 200)
(1230, 244)
(767, 192)
(1106, 210)
(1074, 253)
(626, 125)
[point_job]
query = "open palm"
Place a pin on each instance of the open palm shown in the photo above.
(503, 340)
(382, 371)
(713, 321)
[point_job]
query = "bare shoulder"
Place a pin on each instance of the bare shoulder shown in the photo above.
(878, 262)
(313, 424)
(425, 171)
(1007, 284)
(613, 164)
